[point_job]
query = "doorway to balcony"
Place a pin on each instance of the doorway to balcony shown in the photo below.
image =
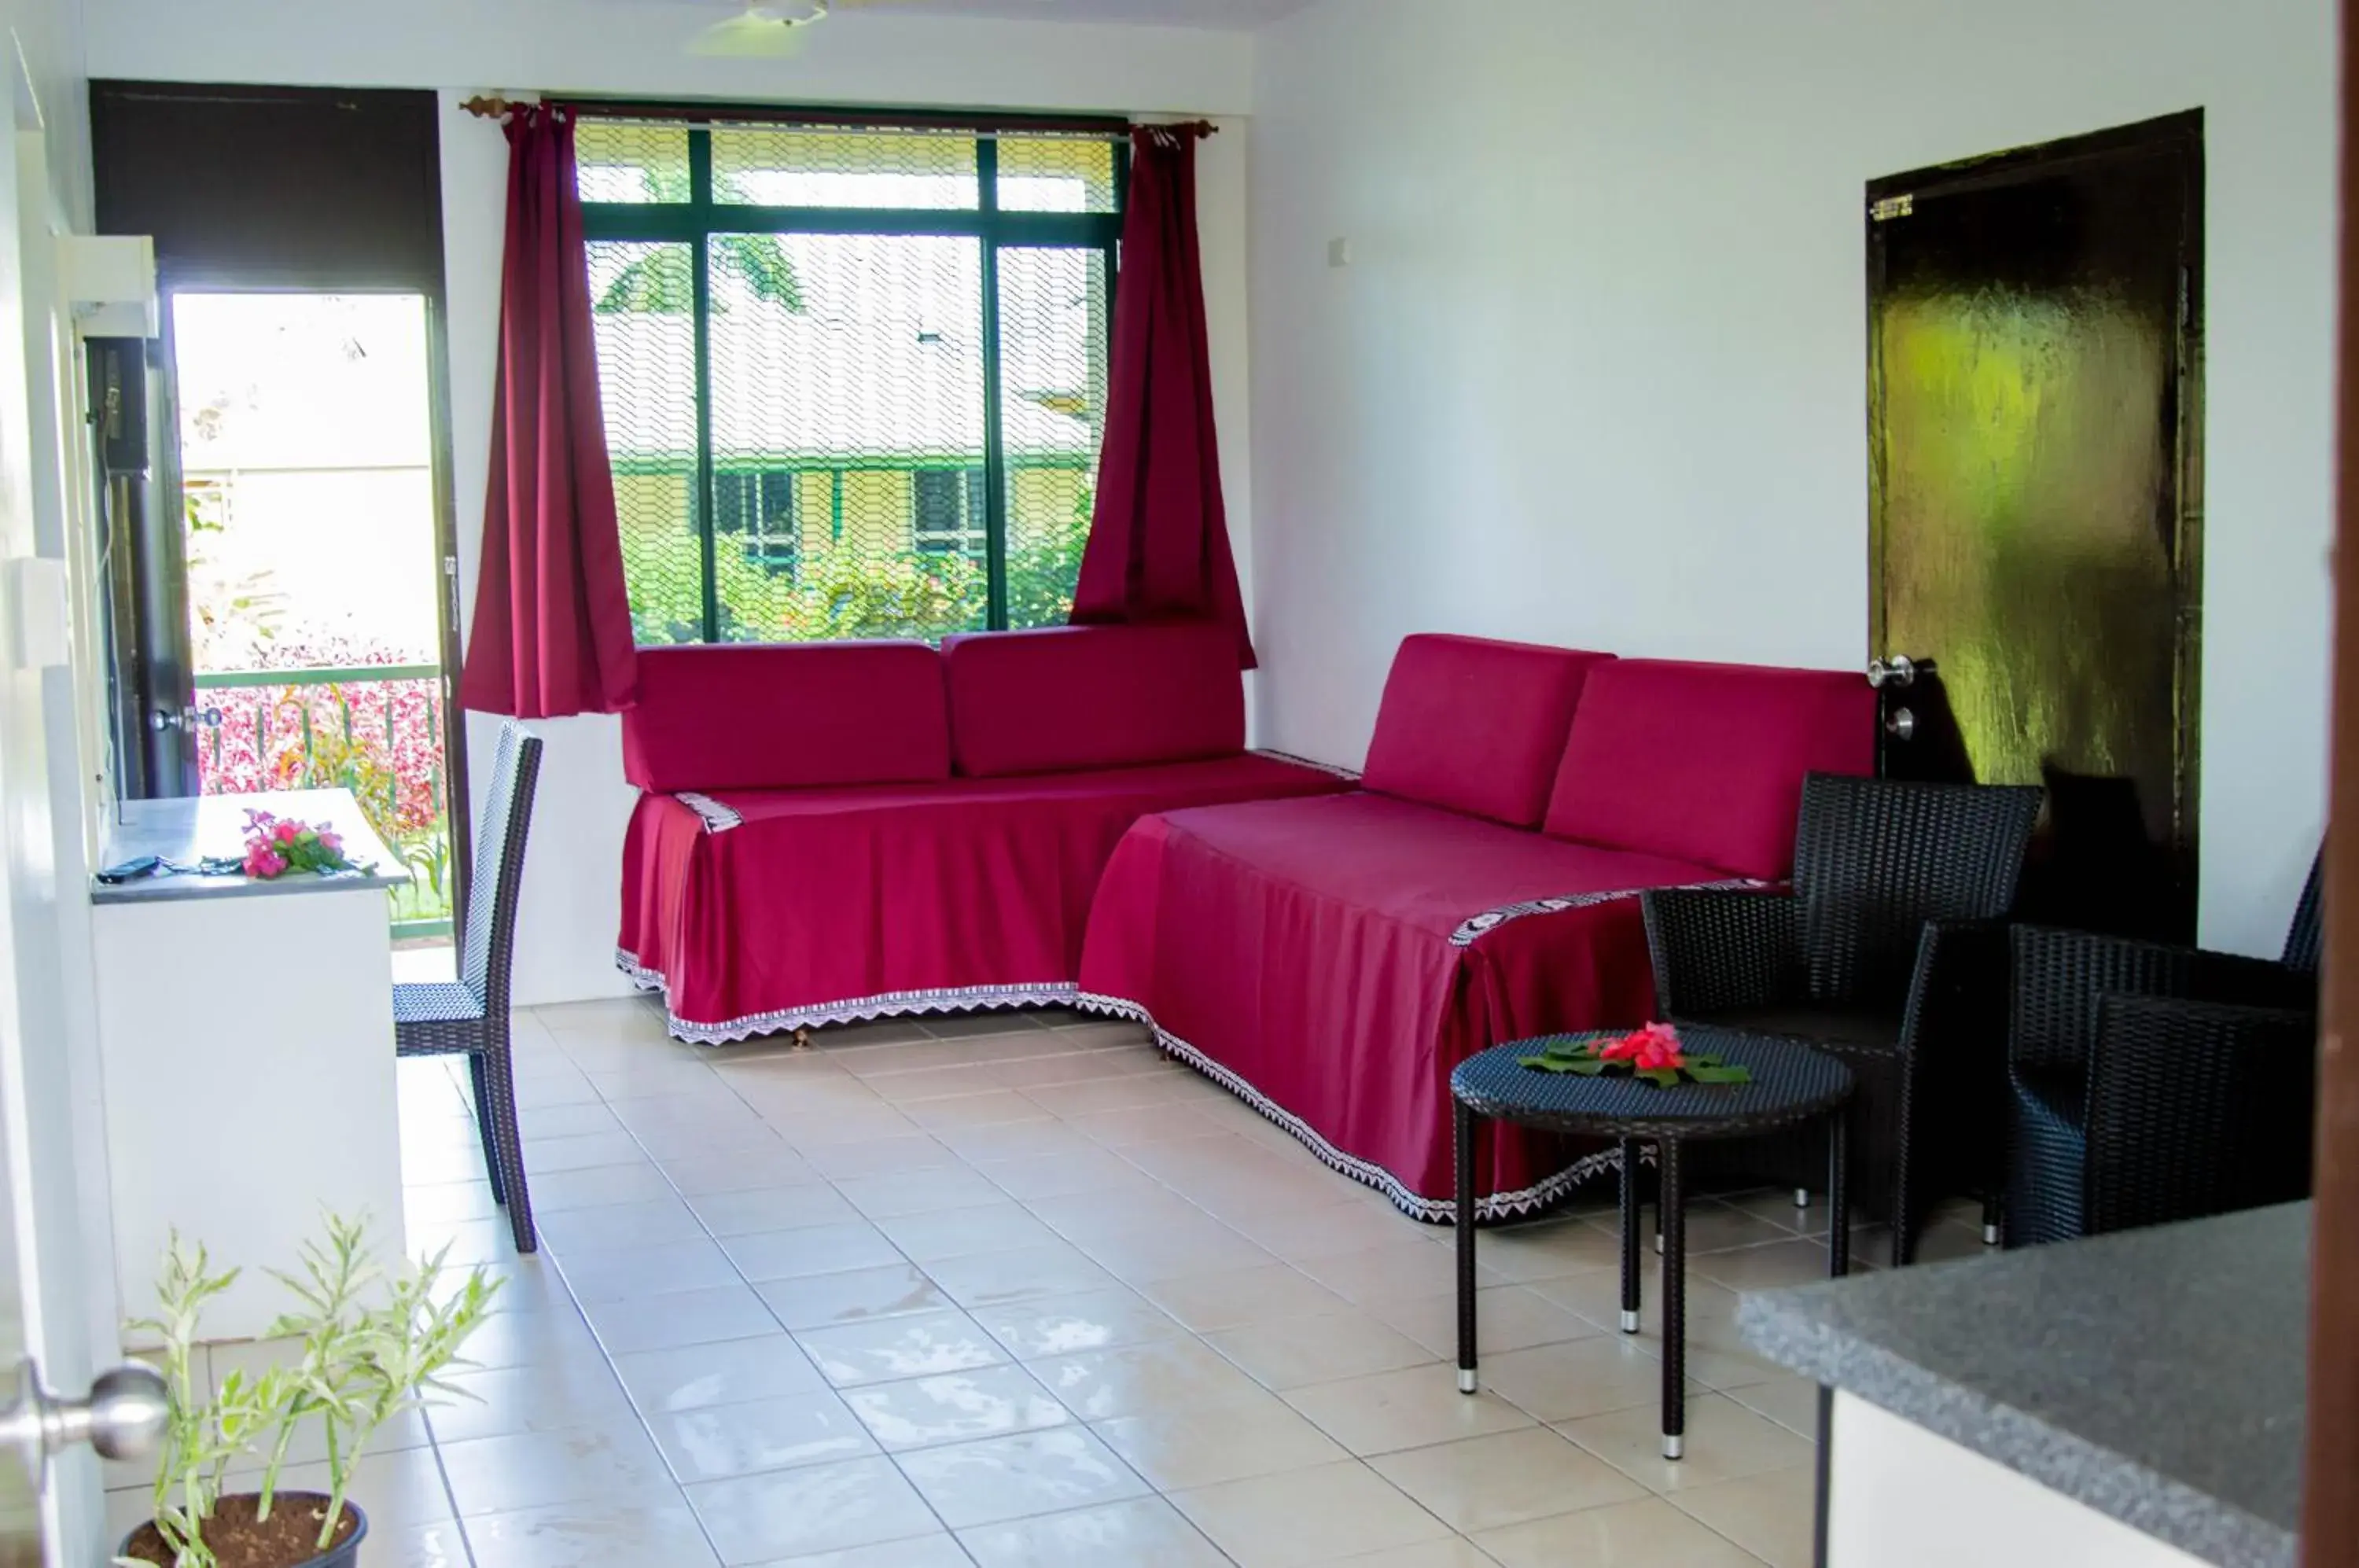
(318, 589)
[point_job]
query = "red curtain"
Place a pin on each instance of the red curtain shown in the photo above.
(1158, 547)
(553, 628)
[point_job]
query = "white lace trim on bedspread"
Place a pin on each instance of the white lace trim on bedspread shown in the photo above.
(854, 1010)
(1498, 1206)
(1477, 926)
(718, 818)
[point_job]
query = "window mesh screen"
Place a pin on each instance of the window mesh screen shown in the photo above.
(815, 458)
(646, 380)
(1055, 174)
(1053, 307)
(772, 166)
(615, 161)
(866, 392)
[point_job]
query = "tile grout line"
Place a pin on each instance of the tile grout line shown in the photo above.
(959, 1160)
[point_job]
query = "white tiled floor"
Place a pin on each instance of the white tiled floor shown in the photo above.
(1017, 1292)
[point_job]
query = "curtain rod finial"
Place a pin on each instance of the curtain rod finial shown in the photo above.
(490, 107)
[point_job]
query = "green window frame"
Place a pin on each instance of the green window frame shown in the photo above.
(702, 221)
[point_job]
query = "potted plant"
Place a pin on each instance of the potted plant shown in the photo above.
(372, 1346)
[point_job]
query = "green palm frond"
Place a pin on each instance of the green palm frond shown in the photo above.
(663, 282)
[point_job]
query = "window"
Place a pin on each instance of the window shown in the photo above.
(760, 510)
(855, 376)
(952, 509)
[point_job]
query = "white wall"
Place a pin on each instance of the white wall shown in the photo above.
(1596, 375)
(54, 1142)
(571, 911)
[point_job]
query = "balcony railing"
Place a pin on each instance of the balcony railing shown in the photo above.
(375, 730)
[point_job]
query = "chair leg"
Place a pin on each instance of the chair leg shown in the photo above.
(1904, 1207)
(499, 1110)
(484, 1129)
(1464, 1119)
(1631, 1176)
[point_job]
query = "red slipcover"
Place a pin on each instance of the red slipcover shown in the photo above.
(757, 910)
(1476, 726)
(786, 716)
(1705, 762)
(1079, 697)
(1333, 959)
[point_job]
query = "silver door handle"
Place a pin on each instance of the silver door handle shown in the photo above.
(1899, 670)
(124, 1418)
(1901, 726)
(189, 719)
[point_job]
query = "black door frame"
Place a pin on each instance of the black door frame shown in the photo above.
(381, 236)
(1891, 196)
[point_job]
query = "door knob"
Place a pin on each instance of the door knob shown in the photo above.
(123, 1417)
(1899, 670)
(189, 719)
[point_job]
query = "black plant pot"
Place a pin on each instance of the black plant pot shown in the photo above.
(345, 1553)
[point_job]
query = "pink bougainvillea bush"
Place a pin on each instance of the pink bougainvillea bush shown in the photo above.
(380, 739)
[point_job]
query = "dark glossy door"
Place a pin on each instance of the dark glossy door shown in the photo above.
(2034, 422)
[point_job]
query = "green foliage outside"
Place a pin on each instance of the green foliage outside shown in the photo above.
(846, 591)
(1044, 564)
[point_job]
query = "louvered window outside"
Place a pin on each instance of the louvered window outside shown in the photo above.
(855, 376)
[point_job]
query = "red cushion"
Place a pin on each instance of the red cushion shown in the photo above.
(1704, 762)
(1476, 726)
(780, 716)
(1076, 697)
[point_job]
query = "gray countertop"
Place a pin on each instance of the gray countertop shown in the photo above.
(184, 831)
(2158, 1376)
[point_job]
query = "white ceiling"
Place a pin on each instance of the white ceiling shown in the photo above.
(1223, 15)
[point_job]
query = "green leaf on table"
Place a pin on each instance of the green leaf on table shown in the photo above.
(1712, 1072)
(1562, 1062)
(1666, 1077)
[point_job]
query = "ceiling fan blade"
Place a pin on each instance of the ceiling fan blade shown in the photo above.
(751, 35)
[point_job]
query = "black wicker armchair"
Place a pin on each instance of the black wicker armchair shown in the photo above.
(1889, 953)
(470, 1016)
(2153, 1082)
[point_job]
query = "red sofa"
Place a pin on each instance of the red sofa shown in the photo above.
(844, 831)
(1332, 959)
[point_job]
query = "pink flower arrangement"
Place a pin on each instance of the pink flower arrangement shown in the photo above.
(276, 846)
(1654, 1054)
(1649, 1049)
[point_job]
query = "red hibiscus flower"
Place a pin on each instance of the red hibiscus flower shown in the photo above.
(1655, 1046)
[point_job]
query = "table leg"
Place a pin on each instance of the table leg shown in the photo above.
(1464, 1123)
(1631, 1176)
(1838, 1192)
(1674, 1203)
(1658, 1208)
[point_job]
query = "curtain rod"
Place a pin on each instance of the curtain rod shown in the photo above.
(493, 107)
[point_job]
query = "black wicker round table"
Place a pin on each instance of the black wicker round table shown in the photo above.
(1790, 1083)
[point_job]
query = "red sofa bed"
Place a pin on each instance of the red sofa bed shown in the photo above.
(1332, 959)
(834, 831)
